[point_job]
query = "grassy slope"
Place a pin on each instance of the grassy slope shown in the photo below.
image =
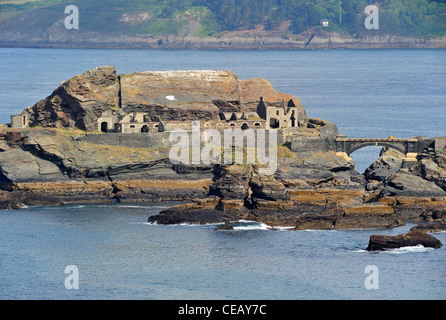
(412, 17)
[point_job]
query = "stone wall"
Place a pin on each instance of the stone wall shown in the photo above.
(132, 140)
(312, 144)
(153, 140)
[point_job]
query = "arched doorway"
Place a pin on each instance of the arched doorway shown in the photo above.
(104, 126)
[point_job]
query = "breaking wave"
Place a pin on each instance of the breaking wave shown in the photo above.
(409, 249)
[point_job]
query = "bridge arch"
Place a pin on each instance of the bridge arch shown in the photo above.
(356, 146)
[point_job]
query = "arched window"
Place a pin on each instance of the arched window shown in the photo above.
(245, 126)
(145, 128)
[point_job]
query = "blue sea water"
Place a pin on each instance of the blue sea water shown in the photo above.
(120, 256)
(367, 93)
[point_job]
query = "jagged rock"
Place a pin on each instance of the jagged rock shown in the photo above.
(19, 166)
(412, 238)
(319, 169)
(267, 187)
(79, 101)
(432, 168)
(405, 183)
(389, 163)
(195, 213)
(231, 181)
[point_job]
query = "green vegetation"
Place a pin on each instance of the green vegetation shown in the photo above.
(419, 18)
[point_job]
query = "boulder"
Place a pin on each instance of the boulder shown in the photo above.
(389, 163)
(432, 168)
(405, 183)
(412, 238)
(225, 226)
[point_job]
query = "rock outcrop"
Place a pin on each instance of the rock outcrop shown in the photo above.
(294, 198)
(168, 95)
(79, 101)
(45, 167)
(322, 191)
(412, 238)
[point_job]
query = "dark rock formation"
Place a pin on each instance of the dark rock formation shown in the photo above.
(431, 227)
(412, 238)
(225, 226)
(404, 183)
(389, 163)
(239, 192)
(432, 168)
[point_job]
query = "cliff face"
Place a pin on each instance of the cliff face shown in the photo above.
(79, 101)
(46, 167)
(171, 95)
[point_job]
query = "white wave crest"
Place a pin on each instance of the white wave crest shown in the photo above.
(250, 225)
(409, 249)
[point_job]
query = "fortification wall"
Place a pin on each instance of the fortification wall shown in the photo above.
(153, 140)
(131, 140)
(312, 144)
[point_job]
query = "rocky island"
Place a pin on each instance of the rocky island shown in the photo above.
(103, 136)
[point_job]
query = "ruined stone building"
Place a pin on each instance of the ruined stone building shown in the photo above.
(281, 115)
(157, 101)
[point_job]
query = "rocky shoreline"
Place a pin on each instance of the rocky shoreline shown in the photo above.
(224, 42)
(308, 191)
(315, 38)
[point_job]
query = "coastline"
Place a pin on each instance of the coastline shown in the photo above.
(173, 42)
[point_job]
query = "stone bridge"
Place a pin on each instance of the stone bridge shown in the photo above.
(410, 147)
(341, 144)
